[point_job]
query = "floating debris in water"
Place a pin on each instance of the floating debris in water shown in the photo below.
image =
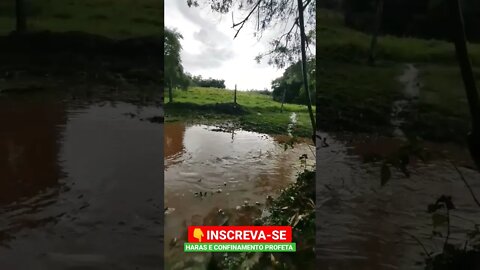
(156, 119)
(168, 210)
(173, 242)
(201, 193)
(84, 206)
(324, 142)
(269, 200)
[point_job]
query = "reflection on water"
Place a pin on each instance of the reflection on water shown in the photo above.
(29, 147)
(364, 226)
(233, 170)
(80, 185)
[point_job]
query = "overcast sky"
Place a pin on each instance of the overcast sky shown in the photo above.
(210, 50)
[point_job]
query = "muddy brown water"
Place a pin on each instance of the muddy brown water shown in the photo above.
(361, 225)
(80, 185)
(234, 170)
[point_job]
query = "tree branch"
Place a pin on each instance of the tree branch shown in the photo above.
(242, 23)
(466, 184)
(419, 242)
(306, 4)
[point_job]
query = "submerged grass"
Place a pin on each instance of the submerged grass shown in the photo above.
(256, 112)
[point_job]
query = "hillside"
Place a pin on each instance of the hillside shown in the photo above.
(256, 112)
(110, 18)
(349, 88)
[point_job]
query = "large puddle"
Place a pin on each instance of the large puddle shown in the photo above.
(81, 183)
(220, 176)
(361, 225)
(80, 186)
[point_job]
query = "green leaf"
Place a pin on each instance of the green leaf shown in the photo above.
(386, 174)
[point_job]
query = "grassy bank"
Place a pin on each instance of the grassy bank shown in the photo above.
(338, 42)
(353, 96)
(255, 112)
(110, 18)
(443, 113)
(356, 97)
(84, 66)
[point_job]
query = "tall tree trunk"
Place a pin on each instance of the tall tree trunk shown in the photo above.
(459, 36)
(20, 16)
(304, 67)
(375, 32)
(170, 92)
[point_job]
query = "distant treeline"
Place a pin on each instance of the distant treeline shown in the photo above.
(414, 18)
(201, 82)
(261, 92)
(291, 84)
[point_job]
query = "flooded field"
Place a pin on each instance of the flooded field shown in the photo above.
(80, 185)
(220, 176)
(361, 225)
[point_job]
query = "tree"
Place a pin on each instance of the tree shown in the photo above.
(174, 75)
(304, 65)
(460, 40)
(289, 88)
(286, 48)
(21, 24)
(199, 81)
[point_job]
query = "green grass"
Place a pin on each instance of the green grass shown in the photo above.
(443, 113)
(353, 96)
(357, 97)
(259, 112)
(111, 18)
(337, 42)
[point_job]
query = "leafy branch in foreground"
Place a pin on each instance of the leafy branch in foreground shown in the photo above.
(281, 15)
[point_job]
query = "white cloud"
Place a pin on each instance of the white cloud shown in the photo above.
(210, 50)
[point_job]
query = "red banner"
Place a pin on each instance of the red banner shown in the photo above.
(239, 234)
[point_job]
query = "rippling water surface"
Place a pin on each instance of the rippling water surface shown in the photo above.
(80, 185)
(234, 171)
(361, 225)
